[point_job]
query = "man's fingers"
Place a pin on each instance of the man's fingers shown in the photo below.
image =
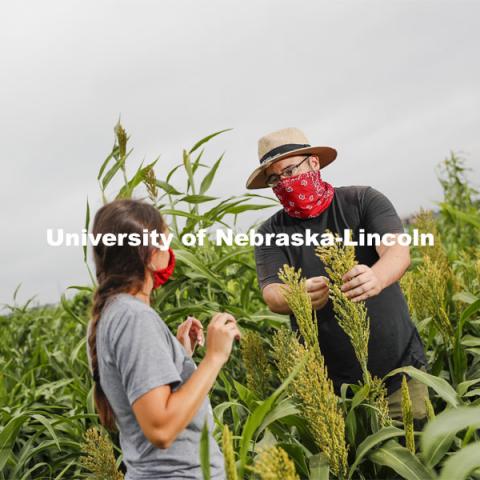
(362, 289)
(317, 287)
(319, 295)
(356, 270)
(361, 297)
(316, 283)
(355, 282)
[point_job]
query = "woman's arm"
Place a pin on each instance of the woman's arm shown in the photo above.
(163, 414)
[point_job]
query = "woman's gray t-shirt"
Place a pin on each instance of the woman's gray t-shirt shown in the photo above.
(136, 353)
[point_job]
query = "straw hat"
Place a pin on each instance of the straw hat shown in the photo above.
(282, 144)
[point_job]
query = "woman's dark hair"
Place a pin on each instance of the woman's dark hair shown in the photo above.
(119, 268)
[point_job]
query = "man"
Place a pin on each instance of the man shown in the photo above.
(291, 167)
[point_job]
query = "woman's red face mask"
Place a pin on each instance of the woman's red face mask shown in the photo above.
(161, 275)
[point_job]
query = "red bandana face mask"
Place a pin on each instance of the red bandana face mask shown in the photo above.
(304, 195)
(162, 275)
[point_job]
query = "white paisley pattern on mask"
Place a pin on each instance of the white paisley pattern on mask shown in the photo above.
(292, 193)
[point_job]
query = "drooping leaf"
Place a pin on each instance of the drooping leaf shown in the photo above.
(445, 424)
(402, 461)
(462, 463)
(373, 441)
(441, 386)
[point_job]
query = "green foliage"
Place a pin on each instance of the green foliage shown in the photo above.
(274, 405)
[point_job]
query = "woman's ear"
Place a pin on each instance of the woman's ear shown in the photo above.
(159, 259)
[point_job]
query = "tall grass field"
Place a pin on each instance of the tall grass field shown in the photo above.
(276, 414)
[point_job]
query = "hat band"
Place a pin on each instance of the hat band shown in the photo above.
(288, 147)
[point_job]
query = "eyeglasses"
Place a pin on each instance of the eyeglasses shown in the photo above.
(273, 179)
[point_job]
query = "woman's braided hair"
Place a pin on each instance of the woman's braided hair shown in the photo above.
(119, 268)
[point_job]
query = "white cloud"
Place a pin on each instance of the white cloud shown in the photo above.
(392, 85)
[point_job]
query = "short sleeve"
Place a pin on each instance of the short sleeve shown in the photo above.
(269, 259)
(142, 353)
(379, 214)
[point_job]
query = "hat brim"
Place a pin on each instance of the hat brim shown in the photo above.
(257, 179)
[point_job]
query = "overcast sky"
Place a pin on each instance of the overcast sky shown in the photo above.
(392, 85)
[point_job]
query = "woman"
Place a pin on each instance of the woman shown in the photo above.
(146, 384)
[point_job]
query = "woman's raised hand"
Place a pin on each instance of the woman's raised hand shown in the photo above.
(221, 333)
(190, 334)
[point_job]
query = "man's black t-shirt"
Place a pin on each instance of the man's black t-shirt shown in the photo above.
(394, 340)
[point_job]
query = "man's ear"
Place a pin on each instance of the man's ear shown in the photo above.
(314, 162)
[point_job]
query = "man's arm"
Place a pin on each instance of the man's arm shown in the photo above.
(377, 215)
(393, 262)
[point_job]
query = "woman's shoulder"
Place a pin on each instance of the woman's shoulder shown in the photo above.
(126, 303)
(126, 312)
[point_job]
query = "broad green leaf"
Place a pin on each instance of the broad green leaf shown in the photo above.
(462, 463)
(197, 198)
(473, 393)
(402, 461)
(465, 297)
(470, 341)
(115, 151)
(111, 173)
(208, 179)
(245, 208)
(467, 313)
(447, 423)
(439, 450)
(67, 308)
(319, 467)
(350, 421)
(181, 213)
(441, 386)
(463, 387)
(187, 164)
(48, 425)
(127, 190)
(197, 163)
(463, 216)
(255, 419)
(284, 408)
(372, 441)
(167, 188)
(7, 437)
(228, 259)
(197, 265)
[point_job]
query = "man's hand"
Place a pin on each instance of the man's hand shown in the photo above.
(361, 282)
(317, 288)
